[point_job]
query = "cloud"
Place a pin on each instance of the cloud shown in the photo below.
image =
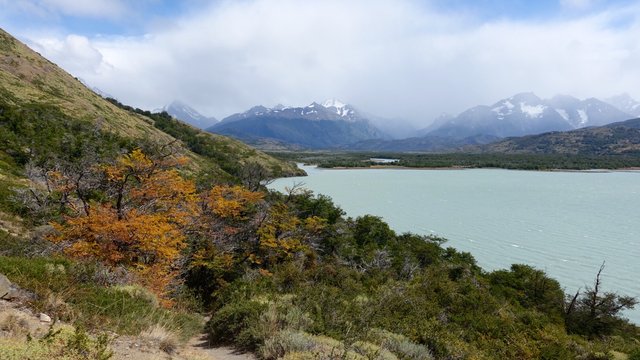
(392, 58)
(74, 53)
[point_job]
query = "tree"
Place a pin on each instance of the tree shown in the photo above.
(372, 230)
(530, 287)
(141, 222)
(595, 313)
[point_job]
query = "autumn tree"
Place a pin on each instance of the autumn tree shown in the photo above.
(140, 224)
(283, 235)
(224, 231)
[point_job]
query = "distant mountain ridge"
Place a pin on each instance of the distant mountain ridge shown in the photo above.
(527, 114)
(327, 125)
(186, 113)
(620, 138)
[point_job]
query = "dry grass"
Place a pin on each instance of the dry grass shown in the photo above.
(164, 339)
(13, 325)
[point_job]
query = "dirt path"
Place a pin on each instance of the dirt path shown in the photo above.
(17, 320)
(134, 348)
(199, 347)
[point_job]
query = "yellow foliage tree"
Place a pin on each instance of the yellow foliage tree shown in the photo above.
(232, 202)
(283, 235)
(141, 226)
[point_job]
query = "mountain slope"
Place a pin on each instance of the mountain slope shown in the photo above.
(588, 112)
(625, 103)
(326, 125)
(28, 79)
(621, 138)
(527, 114)
(184, 112)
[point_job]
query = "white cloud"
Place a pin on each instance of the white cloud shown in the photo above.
(74, 53)
(393, 58)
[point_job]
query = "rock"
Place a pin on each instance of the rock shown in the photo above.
(11, 292)
(45, 318)
(5, 286)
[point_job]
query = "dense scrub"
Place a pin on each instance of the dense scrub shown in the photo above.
(367, 292)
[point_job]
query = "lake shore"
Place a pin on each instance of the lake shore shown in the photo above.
(397, 167)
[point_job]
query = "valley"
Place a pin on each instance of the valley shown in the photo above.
(131, 233)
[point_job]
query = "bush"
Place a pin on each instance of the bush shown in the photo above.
(634, 355)
(65, 288)
(236, 323)
(284, 342)
(400, 345)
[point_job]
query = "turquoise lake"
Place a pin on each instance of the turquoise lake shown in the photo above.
(566, 223)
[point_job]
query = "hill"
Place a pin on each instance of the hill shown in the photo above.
(328, 125)
(621, 138)
(27, 80)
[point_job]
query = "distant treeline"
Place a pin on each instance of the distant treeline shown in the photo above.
(463, 160)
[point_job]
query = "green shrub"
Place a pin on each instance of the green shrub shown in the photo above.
(634, 355)
(400, 345)
(285, 342)
(236, 323)
(64, 290)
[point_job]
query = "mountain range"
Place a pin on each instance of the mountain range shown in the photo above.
(328, 125)
(527, 114)
(523, 114)
(336, 125)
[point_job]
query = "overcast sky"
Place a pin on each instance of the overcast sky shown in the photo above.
(397, 58)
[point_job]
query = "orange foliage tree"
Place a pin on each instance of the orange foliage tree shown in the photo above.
(140, 224)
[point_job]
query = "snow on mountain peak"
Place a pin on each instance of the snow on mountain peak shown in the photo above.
(532, 111)
(342, 109)
(334, 103)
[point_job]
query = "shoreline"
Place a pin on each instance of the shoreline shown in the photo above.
(383, 167)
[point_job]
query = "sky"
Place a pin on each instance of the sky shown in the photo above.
(399, 59)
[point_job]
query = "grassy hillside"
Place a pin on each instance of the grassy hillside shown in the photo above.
(26, 78)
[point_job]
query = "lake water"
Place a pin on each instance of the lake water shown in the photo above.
(566, 223)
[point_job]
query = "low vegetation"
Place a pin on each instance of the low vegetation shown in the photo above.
(464, 160)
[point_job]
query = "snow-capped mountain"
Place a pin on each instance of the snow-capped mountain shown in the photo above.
(184, 112)
(330, 124)
(589, 112)
(526, 114)
(625, 103)
(328, 110)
